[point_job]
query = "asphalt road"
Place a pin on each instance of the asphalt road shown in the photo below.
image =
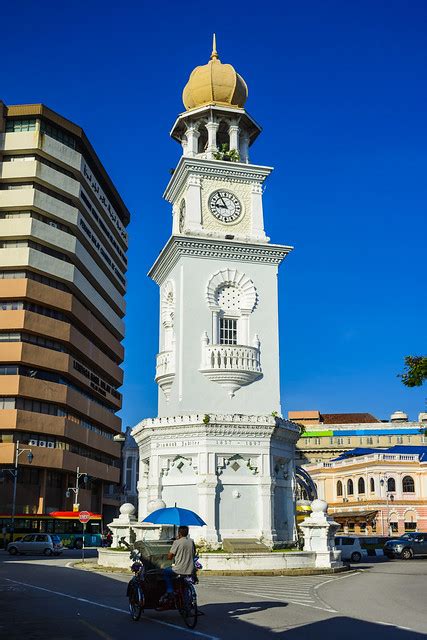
(44, 599)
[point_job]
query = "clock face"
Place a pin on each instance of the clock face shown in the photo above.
(181, 216)
(225, 206)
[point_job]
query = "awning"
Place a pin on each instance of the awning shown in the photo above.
(365, 516)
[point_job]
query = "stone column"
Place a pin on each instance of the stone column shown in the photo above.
(194, 204)
(266, 496)
(257, 212)
(233, 132)
(192, 134)
(143, 488)
(212, 128)
(207, 490)
(244, 147)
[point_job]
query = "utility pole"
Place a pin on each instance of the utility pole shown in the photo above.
(75, 489)
(14, 473)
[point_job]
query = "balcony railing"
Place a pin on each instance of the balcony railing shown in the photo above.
(231, 366)
(165, 371)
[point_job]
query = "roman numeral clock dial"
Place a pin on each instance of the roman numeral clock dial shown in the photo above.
(224, 206)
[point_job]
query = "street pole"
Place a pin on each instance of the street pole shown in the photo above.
(15, 480)
(14, 473)
(83, 545)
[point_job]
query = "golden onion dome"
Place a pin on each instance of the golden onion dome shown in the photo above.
(215, 83)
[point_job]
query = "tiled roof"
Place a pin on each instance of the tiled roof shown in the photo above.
(348, 418)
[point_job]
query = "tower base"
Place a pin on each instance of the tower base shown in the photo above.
(235, 471)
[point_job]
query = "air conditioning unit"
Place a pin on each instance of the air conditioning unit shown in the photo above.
(42, 443)
(33, 443)
(50, 445)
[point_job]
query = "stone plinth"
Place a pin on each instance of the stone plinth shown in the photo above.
(234, 470)
(319, 536)
(127, 526)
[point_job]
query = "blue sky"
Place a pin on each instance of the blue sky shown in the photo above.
(340, 90)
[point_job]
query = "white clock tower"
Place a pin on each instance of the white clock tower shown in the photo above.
(217, 446)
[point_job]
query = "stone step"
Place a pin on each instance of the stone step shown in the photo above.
(244, 545)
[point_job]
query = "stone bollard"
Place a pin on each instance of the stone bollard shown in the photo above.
(319, 536)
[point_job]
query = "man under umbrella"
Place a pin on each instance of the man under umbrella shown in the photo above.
(182, 553)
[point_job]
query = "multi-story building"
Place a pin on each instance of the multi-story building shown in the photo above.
(62, 283)
(127, 490)
(327, 435)
(375, 491)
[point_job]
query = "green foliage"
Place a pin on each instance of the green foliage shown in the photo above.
(415, 373)
(224, 153)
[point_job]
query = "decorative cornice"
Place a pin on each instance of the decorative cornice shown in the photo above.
(227, 250)
(237, 171)
(219, 425)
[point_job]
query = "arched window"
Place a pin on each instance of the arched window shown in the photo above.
(408, 485)
(339, 488)
(361, 486)
(350, 487)
(372, 485)
(391, 484)
(232, 297)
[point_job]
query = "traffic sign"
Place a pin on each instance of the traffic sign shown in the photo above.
(84, 516)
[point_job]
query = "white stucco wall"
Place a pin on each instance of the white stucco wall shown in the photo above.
(191, 391)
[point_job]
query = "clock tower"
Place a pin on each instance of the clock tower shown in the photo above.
(217, 368)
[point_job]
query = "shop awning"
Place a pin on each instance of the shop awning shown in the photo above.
(365, 516)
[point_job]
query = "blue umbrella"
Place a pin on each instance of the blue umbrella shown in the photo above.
(175, 516)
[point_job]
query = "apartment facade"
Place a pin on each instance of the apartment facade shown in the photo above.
(327, 435)
(375, 491)
(63, 245)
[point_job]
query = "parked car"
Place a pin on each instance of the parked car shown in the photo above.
(350, 548)
(407, 546)
(36, 543)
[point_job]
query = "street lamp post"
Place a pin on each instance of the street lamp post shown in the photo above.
(14, 474)
(388, 496)
(75, 489)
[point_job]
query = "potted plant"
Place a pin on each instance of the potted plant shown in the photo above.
(224, 153)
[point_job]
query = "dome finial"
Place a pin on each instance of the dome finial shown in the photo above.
(214, 54)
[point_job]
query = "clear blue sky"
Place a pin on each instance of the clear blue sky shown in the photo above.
(340, 89)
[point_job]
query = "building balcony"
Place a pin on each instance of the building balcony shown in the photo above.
(165, 371)
(231, 366)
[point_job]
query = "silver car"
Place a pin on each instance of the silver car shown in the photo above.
(36, 543)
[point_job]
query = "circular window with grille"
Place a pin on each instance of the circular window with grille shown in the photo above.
(228, 299)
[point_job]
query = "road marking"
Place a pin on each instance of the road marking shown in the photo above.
(396, 626)
(106, 606)
(99, 632)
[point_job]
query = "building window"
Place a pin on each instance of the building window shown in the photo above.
(316, 440)
(227, 331)
(399, 439)
(351, 526)
(394, 526)
(362, 527)
(26, 124)
(340, 440)
(391, 484)
(410, 526)
(408, 484)
(350, 488)
(361, 485)
(339, 488)
(372, 485)
(58, 134)
(369, 440)
(374, 526)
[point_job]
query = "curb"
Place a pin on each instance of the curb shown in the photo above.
(79, 565)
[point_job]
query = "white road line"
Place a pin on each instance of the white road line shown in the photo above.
(396, 626)
(105, 606)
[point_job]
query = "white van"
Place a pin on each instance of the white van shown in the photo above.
(350, 548)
